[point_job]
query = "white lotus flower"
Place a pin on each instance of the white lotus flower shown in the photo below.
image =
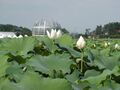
(80, 43)
(9, 36)
(54, 34)
(51, 35)
(20, 36)
(14, 36)
(116, 46)
(1, 36)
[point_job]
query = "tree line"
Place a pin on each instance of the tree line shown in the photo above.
(22, 30)
(111, 29)
(16, 29)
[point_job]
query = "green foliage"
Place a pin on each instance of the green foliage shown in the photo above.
(111, 30)
(50, 63)
(64, 30)
(16, 29)
(39, 63)
(18, 46)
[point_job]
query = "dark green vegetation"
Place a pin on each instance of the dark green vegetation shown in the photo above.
(39, 63)
(108, 30)
(23, 30)
(13, 28)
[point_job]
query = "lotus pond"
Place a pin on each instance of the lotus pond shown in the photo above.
(39, 63)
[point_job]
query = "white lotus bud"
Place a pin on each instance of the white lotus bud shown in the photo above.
(80, 43)
(105, 44)
(59, 33)
(94, 45)
(26, 35)
(116, 46)
(108, 43)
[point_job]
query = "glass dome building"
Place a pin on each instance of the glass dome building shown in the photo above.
(40, 27)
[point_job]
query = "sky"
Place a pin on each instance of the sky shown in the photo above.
(74, 15)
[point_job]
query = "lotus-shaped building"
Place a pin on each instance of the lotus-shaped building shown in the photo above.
(40, 27)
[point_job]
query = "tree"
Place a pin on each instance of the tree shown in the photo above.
(98, 30)
(16, 29)
(87, 32)
(112, 28)
(64, 30)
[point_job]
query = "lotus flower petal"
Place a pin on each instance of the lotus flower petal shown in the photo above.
(59, 33)
(53, 34)
(48, 34)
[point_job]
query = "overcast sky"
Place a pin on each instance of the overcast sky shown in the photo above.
(74, 15)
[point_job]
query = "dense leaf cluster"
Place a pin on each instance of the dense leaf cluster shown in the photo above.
(39, 63)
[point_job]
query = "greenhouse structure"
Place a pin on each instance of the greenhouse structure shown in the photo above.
(39, 28)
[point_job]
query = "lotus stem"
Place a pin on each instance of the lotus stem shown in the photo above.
(82, 62)
(81, 66)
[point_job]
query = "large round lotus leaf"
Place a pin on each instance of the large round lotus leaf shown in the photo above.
(33, 81)
(19, 46)
(49, 43)
(3, 65)
(49, 63)
(65, 41)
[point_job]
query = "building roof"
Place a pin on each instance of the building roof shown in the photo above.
(46, 24)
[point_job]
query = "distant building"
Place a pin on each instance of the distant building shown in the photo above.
(7, 34)
(40, 28)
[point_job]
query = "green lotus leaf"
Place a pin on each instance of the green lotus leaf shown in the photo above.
(49, 43)
(96, 80)
(3, 65)
(65, 41)
(33, 81)
(5, 84)
(19, 46)
(46, 64)
(73, 77)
